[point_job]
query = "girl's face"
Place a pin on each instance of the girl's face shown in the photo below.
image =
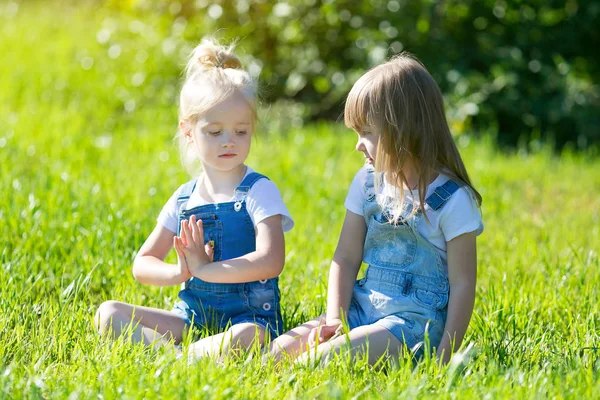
(221, 135)
(367, 143)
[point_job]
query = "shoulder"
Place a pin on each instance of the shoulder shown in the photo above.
(263, 188)
(356, 192)
(252, 177)
(170, 212)
(186, 189)
(258, 182)
(264, 200)
(451, 189)
(362, 177)
(463, 198)
(182, 195)
(460, 214)
(363, 174)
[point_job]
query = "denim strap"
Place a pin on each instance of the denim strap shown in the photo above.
(185, 193)
(247, 184)
(442, 194)
(370, 184)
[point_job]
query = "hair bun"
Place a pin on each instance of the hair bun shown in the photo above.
(219, 61)
(209, 54)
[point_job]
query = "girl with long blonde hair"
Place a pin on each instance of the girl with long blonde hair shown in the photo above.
(412, 216)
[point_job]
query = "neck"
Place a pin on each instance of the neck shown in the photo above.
(412, 179)
(223, 182)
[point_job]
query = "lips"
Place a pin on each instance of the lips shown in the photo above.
(228, 155)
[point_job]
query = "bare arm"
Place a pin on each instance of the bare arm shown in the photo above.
(462, 274)
(346, 262)
(149, 266)
(342, 274)
(264, 263)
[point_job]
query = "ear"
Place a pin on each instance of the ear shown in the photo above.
(186, 129)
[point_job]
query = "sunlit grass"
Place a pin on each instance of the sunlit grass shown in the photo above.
(84, 173)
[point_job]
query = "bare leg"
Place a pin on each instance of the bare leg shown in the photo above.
(239, 337)
(293, 342)
(152, 326)
(373, 340)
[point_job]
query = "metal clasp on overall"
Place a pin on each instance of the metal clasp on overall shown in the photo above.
(237, 206)
(243, 192)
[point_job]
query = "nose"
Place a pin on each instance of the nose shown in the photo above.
(360, 146)
(227, 140)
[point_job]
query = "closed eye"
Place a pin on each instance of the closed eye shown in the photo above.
(241, 133)
(214, 133)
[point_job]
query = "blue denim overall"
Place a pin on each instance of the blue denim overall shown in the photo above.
(406, 287)
(220, 305)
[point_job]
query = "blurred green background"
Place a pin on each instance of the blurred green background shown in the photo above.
(526, 72)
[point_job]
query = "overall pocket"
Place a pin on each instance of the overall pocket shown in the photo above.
(430, 300)
(262, 299)
(212, 231)
(393, 246)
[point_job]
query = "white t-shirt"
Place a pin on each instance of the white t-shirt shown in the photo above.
(263, 201)
(457, 216)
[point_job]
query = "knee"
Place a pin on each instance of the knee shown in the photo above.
(105, 315)
(287, 346)
(276, 350)
(246, 333)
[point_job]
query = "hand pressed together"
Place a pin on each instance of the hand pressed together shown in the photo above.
(192, 252)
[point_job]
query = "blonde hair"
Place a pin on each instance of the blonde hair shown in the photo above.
(213, 73)
(405, 105)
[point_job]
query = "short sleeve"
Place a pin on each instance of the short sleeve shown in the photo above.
(264, 201)
(460, 215)
(356, 194)
(168, 214)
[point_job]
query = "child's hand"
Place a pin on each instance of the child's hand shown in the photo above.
(183, 270)
(190, 245)
(325, 332)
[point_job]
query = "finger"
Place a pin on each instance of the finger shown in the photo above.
(187, 234)
(333, 333)
(326, 333)
(323, 333)
(319, 335)
(209, 248)
(182, 233)
(312, 336)
(177, 245)
(191, 223)
(182, 250)
(194, 229)
(200, 228)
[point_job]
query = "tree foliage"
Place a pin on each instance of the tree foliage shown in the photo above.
(525, 70)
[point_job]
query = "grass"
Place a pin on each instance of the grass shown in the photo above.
(87, 161)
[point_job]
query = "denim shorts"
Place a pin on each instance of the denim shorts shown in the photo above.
(216, 306)
(403, 304)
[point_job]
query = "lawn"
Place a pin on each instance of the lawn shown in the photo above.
(87, 161)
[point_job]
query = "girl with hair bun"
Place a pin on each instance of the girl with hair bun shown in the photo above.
(227, 224)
